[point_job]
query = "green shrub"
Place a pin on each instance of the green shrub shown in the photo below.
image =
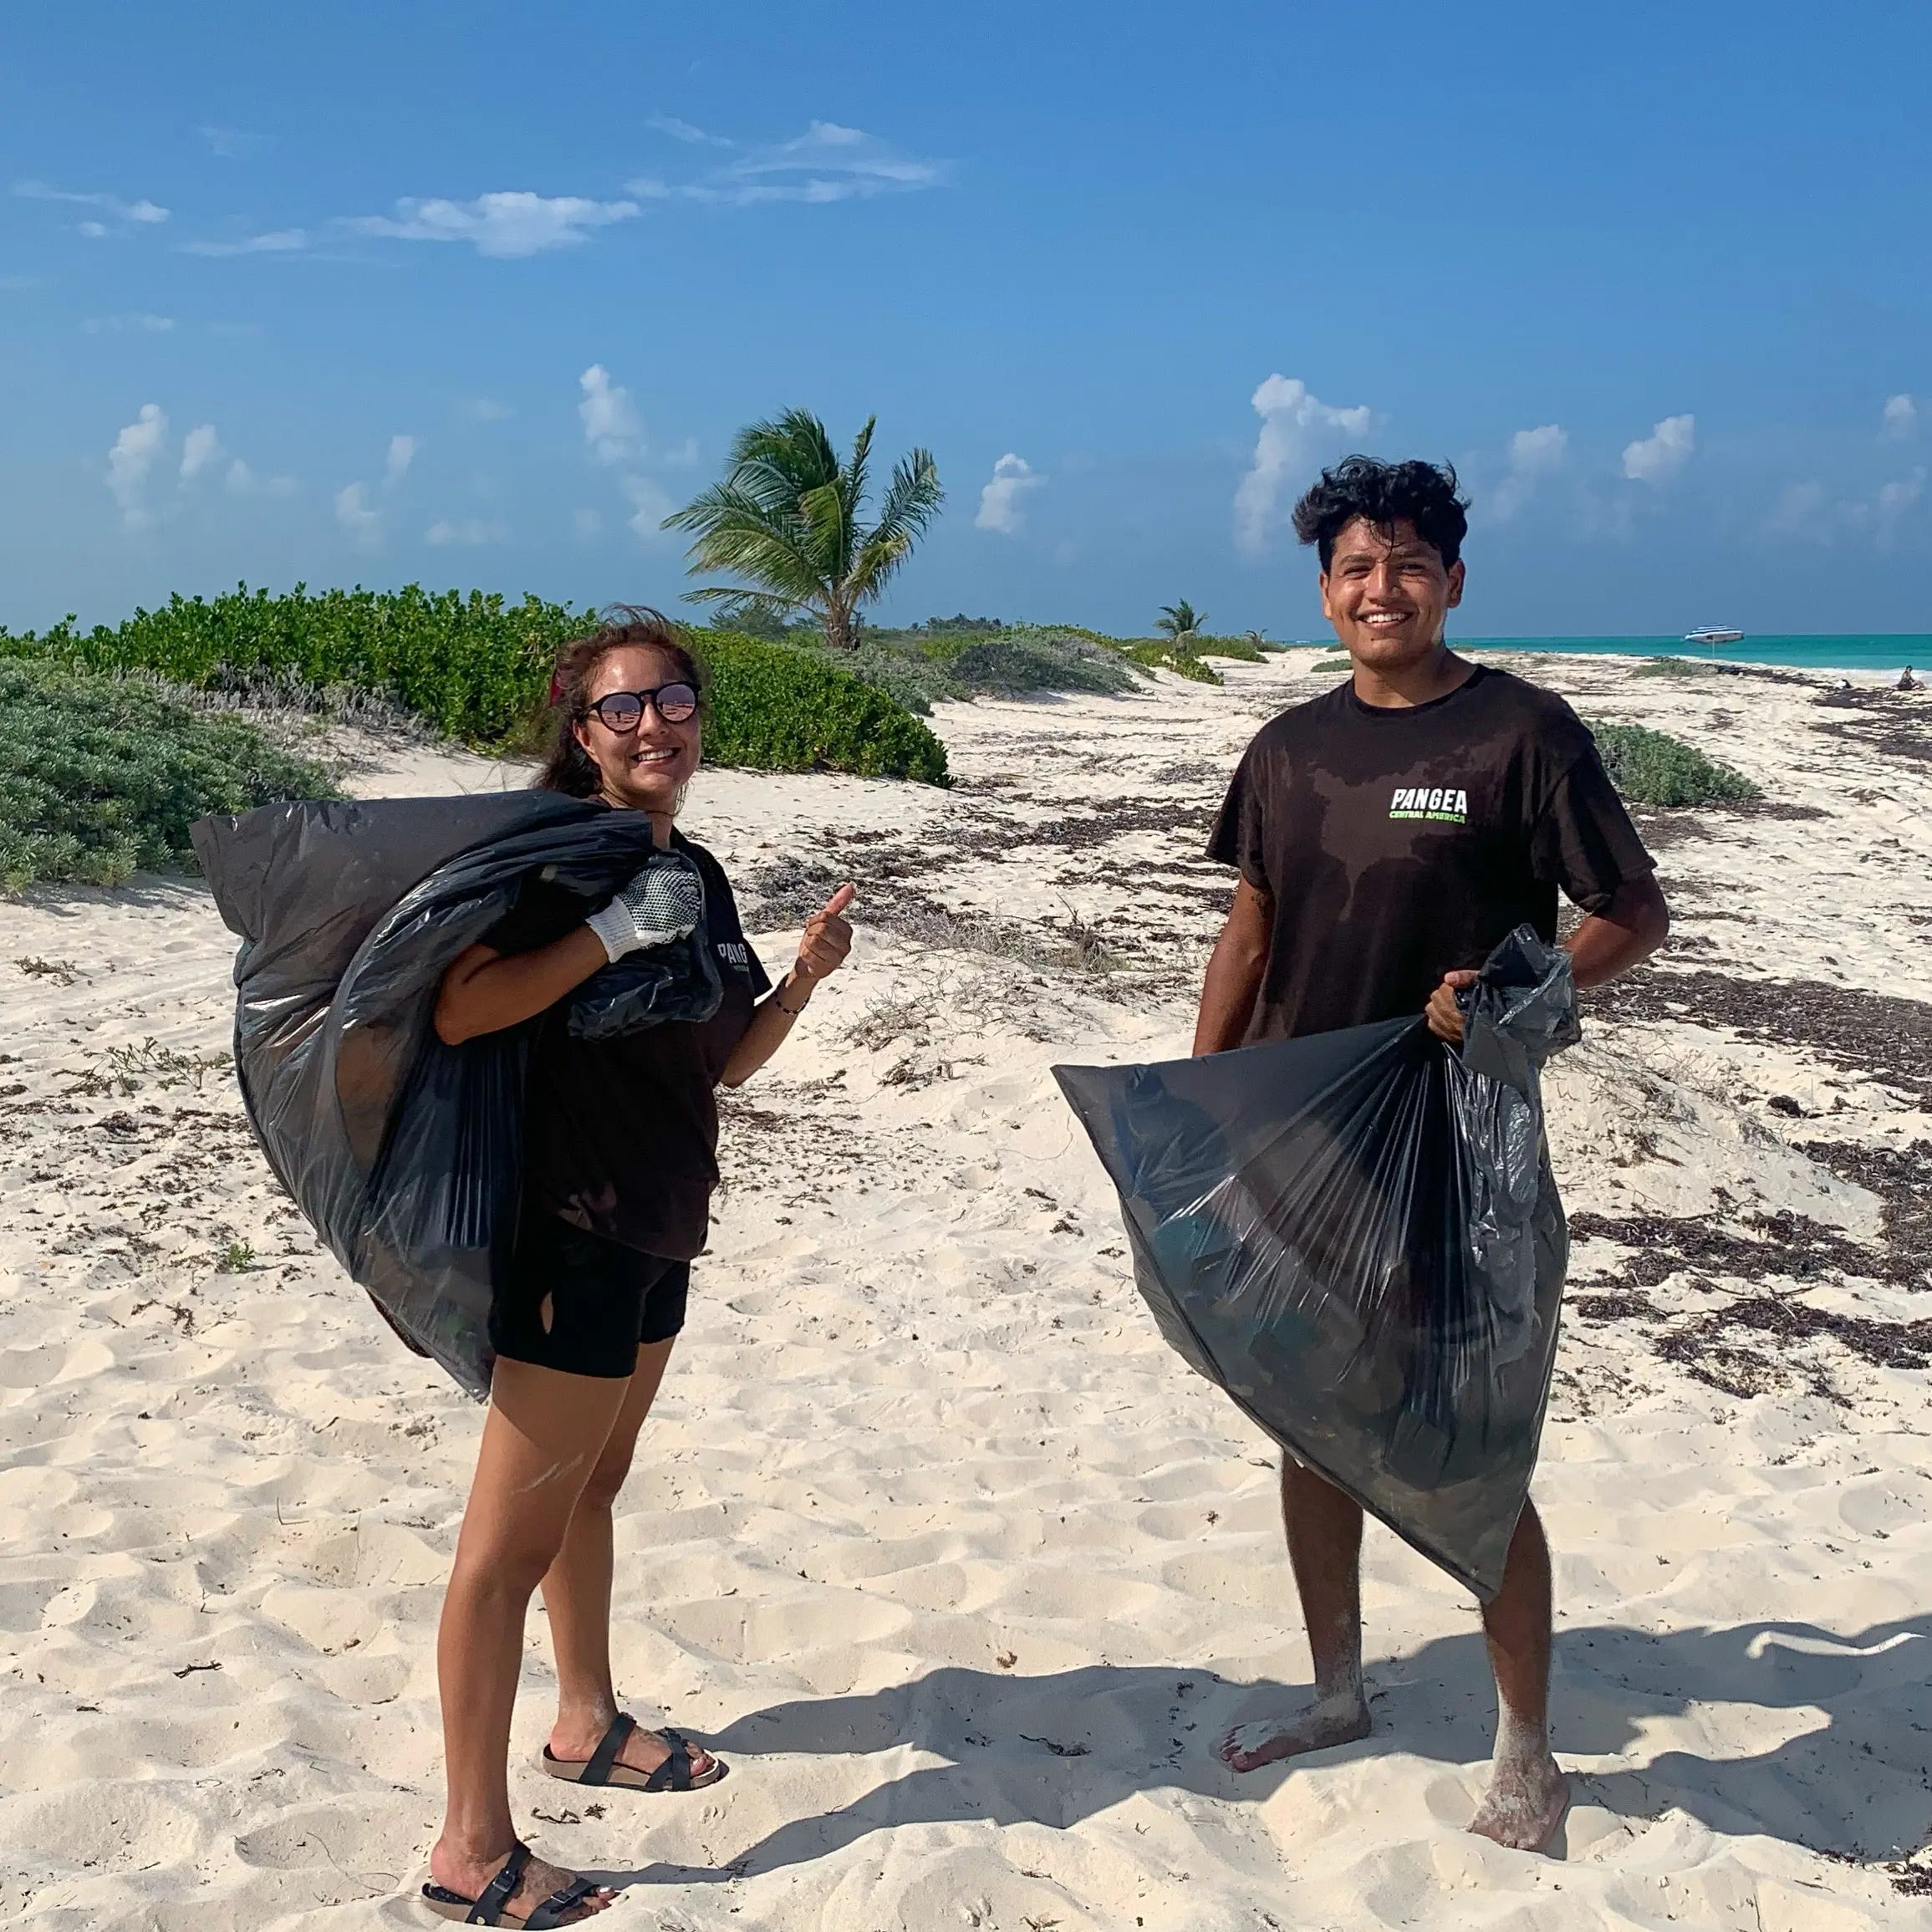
(1237, 648)
(1330, 666)
(1019, 666)
(1157, 653)
(101, 777)
(775, 708)
(906, 674)
(479, 669)
(470, 665)
(1653, 768)
(1669, 667)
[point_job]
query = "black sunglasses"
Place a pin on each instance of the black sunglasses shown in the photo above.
(677, 704)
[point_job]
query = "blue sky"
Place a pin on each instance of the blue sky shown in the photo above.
(473, 294)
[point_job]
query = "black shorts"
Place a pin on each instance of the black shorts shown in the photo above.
(605, 1299)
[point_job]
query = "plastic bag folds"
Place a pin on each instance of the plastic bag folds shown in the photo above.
(1357, 1235)
(405, 1153)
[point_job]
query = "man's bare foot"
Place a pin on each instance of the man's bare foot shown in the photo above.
(1333, 1720)
(469, 1877)
(1525, 1803)
(643, 1750)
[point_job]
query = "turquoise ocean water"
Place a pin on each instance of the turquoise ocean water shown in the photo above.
(1889, 652)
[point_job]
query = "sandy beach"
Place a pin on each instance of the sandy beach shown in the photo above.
(931, 1535)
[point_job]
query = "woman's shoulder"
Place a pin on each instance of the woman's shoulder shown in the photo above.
(701, 856)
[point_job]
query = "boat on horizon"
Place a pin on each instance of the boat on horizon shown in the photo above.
(1713, 634)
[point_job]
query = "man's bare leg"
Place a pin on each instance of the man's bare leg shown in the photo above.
(1324, 1530)
(1527, 1795)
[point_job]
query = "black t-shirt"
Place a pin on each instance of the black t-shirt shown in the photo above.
(621, 1136)
(1399, 843)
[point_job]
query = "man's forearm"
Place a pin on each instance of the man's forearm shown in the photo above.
(1228, 997)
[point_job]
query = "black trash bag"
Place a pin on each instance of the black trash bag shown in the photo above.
(406, 1154)
(1357, 1235)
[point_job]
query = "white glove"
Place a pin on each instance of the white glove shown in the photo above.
(663, 903)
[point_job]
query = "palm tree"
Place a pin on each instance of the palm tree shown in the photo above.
(787, 518)
(1180, 622)
(1258, 639)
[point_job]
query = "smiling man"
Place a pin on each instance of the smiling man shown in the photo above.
(1388, 835)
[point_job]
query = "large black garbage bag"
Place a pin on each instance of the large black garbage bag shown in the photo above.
(404, 1154)
(1357, 1235)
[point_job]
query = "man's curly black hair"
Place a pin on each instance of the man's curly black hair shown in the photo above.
(1382, 495)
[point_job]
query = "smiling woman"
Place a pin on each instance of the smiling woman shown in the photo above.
(620, 1139)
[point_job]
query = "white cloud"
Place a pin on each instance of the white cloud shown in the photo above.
(1660, 455)
(826, 163)
(684, 131)
(1895, 499)
(650, 504)
(199, 449)
(144, 213)
(354, 513)
(277, 242)
(1799, 512)
(130, 459)
(483, 409)
(1806, 511)
(242, 482)
(1296, 429)
(1000, 501)
(466, 532)
(681, 456)
(610, 424)
(1898, 418)
(128, 324)
(230, 143)
(508, 226)
(401, 454)
(93, 230)
(1533, 454)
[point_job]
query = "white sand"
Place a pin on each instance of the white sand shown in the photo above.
(932, 1537)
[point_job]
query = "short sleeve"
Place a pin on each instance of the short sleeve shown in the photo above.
(1238, 837)
(1584, 840)
(542, 913)
(726, 929)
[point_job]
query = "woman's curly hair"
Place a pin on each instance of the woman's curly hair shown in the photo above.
(567, 766)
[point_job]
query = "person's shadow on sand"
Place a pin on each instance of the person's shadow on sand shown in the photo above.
(1055, 1750)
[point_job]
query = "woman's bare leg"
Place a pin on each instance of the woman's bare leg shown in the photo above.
(577, 1592)
(543, 1436)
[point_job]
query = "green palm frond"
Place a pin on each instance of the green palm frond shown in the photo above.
(1180, 619)
(787, 521)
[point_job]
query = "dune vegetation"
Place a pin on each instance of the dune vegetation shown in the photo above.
(102, 775)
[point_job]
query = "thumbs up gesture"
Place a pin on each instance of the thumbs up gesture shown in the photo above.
(826, 938)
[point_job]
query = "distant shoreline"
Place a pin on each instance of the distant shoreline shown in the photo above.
(1798, 651)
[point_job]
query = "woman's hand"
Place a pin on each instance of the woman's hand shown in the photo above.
(826, 942)
(823, 949)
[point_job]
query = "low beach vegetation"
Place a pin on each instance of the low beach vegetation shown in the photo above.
(1653, 768)
(477, 669)
(101, 776)
(778, 709)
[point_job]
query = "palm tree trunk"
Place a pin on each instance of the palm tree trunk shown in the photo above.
(840, 633)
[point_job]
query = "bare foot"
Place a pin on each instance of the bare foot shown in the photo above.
(468, 1878)
(1525, 1803)
(643, 1750)
(1333, 1720)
